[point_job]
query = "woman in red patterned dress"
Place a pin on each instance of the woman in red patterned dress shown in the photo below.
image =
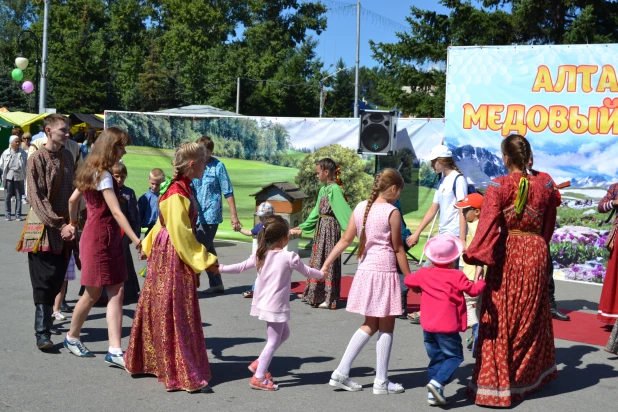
(517, 354)
(608, 305)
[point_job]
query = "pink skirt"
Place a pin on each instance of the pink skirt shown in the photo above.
(375, 294)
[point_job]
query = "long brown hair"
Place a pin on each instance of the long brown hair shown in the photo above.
(517, 150)
(101, 158)
(449, 163)
(275, 228)
(383, 181)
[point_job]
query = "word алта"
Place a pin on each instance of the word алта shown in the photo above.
(517, 118)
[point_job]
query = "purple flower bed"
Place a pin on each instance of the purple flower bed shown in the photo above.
(580, 257)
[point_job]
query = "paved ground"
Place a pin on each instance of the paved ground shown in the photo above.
(34, 381)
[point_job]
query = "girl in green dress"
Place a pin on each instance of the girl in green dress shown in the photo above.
(327, 219)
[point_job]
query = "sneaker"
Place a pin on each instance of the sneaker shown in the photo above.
(253, 368)
(8, 218)
(215, 289)
(431, 400)
(263, 384)
(58, 316)
(78, 349)
(248, 294)
(115, 360)
(470, 342)
(438, 394)
(64, 307)
(341, 381)
(387, 387)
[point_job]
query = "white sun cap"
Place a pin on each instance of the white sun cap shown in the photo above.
(439, 151)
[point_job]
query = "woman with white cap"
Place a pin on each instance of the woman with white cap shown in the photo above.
(452, 188)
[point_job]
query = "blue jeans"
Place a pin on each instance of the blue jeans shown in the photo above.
(14, 188)
(445, 353)
(205, 234)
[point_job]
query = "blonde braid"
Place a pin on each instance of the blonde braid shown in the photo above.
(375, 191)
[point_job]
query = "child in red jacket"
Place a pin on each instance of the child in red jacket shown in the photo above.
(444, 311)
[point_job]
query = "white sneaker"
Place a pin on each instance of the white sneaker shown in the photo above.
(58, 316)
(341, 381)
(386, 387)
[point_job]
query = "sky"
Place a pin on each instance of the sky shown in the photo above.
(339, 39)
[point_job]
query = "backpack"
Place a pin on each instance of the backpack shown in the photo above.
(471, 188)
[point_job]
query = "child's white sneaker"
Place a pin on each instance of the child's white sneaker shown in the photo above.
(58, 316)
(438, 395)
(341, 381)
(386, 387)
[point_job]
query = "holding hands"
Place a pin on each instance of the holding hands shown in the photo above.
(412, 240)
(295, 231)
(68, 232)
(236, 223)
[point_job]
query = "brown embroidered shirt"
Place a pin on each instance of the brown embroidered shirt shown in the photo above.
(42, 174)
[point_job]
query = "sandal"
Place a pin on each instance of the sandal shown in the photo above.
(248, 294)
(300, 295)
(253, 368)
(415, 318)
(324, 305)
(263, 384)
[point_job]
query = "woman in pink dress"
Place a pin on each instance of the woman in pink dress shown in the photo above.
(375, 291)
(167, 339)
(271, 299)
(101, 250)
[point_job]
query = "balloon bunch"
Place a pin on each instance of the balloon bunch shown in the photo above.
(18, 75)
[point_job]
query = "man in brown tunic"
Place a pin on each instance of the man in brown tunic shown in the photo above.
(49, 174)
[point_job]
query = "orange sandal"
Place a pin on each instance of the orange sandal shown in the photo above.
(263, 384)
(253, 368)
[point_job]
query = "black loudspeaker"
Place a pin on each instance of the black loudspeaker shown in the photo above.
(377, 132)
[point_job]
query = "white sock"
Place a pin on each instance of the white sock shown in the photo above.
(115, 351)
(72, 340)
(356, 345)
(436, 384)
(383, 355)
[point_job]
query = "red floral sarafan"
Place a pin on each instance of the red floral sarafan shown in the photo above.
(516, 342)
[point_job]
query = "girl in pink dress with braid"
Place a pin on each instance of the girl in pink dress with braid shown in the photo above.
(375, 291)
(271, 298)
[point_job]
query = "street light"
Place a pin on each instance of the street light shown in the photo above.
(22, 63)
(339, 70)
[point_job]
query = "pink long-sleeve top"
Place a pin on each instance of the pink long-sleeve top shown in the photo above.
(273, 284)
(442, 302)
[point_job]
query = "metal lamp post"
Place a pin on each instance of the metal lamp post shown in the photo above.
(322, 87)
(22, 62)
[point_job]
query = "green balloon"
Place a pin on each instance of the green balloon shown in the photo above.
(17, 74)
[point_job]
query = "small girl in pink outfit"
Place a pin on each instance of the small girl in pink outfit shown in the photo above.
(444, 310)
(271, 298)
(375, 291)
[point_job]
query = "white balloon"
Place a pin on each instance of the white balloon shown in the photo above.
(21, 63)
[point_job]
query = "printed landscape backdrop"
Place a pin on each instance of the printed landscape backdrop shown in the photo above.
(564, 100)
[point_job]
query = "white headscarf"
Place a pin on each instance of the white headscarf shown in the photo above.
(13, 137)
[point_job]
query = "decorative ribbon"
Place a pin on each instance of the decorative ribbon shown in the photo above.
(522, 196)
(164, 186)
(339, 182)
